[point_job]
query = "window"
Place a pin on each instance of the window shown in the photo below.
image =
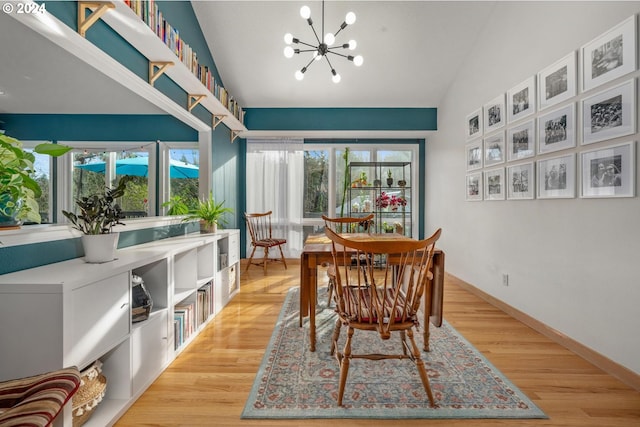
(42, 176)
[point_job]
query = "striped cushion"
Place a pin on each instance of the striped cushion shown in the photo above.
(36, 401)
(270, 242)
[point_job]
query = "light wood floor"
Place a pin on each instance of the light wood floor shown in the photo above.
(208, 384)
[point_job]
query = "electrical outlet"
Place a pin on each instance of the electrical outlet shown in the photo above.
(505, 279)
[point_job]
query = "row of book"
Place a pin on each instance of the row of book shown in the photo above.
(188, 316)
(150, 14)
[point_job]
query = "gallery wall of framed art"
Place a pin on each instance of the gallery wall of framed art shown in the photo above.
(561, 132)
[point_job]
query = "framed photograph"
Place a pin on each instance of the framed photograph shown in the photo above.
(494, 114)
(521, 100)
(474, 155)
(610, 55)
(494, 184)
(494, 149)
(521, 141)
(473, 186)
(609, 114)
(474, 124)
(556, 177)
(609, 171)
(557, 82)
(557, 130)
(520, 181)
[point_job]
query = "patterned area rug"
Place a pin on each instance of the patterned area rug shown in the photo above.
(293, 382)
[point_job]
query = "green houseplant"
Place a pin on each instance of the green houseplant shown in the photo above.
(18, 190)
(99, 213)
(209, 213)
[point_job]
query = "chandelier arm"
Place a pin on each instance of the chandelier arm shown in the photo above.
(307, 44)
(328, 62)
(309, 64)
(339, 54)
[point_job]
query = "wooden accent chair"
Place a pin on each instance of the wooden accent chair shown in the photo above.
(399, 272)
(259, 225)
(37, 400)
(342, 225)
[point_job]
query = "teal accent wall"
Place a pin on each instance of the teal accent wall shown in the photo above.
(96, 127)
(341, 119)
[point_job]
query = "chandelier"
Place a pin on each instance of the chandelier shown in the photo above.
(324, 48)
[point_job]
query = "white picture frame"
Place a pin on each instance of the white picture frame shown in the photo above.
(494, 184)
(611, 55)
(474, 124)
(494, 114)
(608, 171)
(557, 82)
(520, 181)
(556, 177)
(521, 141)
(494, 152)
(610, 113)
(557, 129)
(473, 187)
(474, 155)
(521, 100)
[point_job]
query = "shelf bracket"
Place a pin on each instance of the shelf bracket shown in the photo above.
(194, 100)
(217, 119)
(85, 22)
(162, 67)
(234, 135)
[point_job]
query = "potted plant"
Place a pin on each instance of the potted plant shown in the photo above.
(389, 178)
(18, 190)
(176, 205)
(99, 213)
(209, 213)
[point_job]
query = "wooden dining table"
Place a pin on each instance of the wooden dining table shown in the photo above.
(317, 251)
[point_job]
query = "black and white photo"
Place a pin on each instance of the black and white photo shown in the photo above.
(521, 141)
(556, 177)
(520, 181)
(474, 155)
(609, 171)
(494, 114)
(521, 100)
(494, 149)
(494, 184)
(474, 124)
(557, 83)
(556, 130)
(609, 114)
(610, 55)
(474, 187)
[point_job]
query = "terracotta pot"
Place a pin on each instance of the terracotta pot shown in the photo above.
(207, 228)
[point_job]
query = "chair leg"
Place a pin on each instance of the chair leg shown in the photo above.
(282, 257)
(251, 258)
(336, 336)
(344, 365)
(266, 258)
(421, 369)
(330, 286)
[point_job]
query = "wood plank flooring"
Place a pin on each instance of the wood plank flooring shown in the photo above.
(208, 384)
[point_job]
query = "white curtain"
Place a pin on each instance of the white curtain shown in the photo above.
(275, 182)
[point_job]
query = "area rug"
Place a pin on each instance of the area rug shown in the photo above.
(293, 382)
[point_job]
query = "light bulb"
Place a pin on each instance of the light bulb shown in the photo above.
(305, 12)
(336, 78)
(329, 39)
(358, 60)
(316, 56)
(288, 38)
(288, 52)
(299, 75)
(352, 45)
(350, 18)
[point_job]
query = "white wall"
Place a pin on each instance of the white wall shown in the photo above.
(573, 264)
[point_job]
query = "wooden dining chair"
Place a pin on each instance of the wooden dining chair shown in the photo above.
(399, 273)
(342, 225)
(259, 225)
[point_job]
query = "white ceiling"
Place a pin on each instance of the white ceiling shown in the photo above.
(412, 52)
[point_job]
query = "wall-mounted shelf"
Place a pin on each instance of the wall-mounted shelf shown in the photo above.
(126, 23)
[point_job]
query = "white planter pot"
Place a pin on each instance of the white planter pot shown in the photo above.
(100, 247)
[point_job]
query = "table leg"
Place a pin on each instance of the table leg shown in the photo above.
(304, 287)
(312, 297)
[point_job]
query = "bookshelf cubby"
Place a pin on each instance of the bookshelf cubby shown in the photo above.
(73, 313)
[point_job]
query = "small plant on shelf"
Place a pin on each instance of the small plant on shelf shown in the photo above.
(395, 202)
(209, 213)
(383, 200)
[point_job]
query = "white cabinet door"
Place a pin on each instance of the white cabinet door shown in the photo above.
(150, 350)
(100, 319)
